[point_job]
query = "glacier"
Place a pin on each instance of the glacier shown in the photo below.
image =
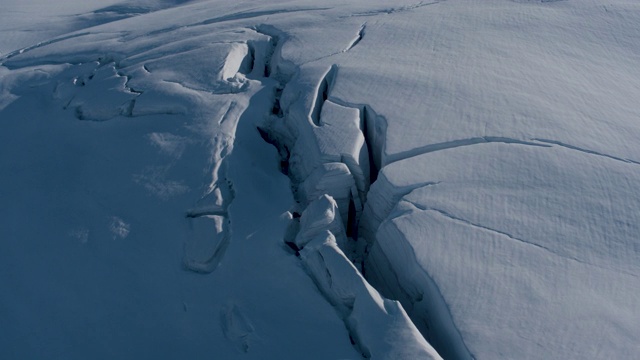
(365, 179)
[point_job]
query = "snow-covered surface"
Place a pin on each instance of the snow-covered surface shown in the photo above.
(477, 160)
(549, 235)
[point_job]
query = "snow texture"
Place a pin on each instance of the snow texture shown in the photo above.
(361, 179)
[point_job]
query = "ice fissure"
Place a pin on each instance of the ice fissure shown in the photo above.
(334, 150)
(357, 39)
(457, 143)
(586, 151)
(325, 152)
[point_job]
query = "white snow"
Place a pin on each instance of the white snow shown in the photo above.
(457, 173)
(508, 222)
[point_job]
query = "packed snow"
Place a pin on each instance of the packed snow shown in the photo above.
(371, 179)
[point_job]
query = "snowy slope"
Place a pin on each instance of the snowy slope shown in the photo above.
(117, 211)
(475, 160)
(157, 213)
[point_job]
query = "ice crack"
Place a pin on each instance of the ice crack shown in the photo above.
(357, 39)
(586, 151)
(324, 151)
(505, 235)
(455, 144)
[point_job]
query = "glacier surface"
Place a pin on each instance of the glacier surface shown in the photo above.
(365, 179)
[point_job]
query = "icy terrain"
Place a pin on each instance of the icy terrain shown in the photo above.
(296, 180)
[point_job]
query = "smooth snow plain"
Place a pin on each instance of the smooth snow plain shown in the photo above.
(191, 179)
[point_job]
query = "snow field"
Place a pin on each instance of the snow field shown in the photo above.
(475, 160)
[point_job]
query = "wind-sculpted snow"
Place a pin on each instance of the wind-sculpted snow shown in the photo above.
(475, 162)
